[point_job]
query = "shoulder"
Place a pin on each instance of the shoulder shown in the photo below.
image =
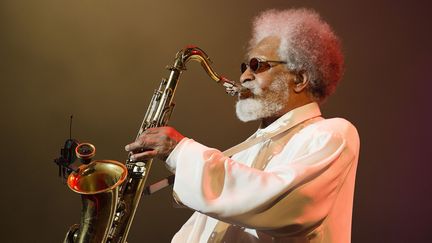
(339, 127)
(337, 124)
(332, 127)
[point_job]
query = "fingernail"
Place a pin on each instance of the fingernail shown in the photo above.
(132, 157)
(127, 147)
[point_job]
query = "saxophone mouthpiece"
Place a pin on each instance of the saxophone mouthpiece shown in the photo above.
(231, 87)
(234, 89)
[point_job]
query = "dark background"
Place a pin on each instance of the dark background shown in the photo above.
(101, 60)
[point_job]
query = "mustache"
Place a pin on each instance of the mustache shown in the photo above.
(245, 93)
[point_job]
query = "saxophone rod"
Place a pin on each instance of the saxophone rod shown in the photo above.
(155, 187)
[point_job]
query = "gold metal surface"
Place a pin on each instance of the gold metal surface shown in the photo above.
(98, 176)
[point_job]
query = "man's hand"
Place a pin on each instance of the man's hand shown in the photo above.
(154, 142)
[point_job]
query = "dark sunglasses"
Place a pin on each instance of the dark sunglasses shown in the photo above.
(258, 65)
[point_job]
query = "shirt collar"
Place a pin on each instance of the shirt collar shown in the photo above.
(291, 118)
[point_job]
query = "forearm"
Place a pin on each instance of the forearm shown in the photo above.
(223, 188)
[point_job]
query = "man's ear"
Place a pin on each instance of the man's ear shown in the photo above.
(301, 81)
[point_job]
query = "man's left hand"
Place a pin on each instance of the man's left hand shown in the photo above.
(154, 142)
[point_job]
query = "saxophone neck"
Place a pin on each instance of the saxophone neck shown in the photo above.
(197, 54)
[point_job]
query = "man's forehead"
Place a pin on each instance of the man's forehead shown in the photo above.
(265, 48)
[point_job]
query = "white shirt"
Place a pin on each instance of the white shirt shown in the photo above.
(295, 187)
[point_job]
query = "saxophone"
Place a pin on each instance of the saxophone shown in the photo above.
(110, 190)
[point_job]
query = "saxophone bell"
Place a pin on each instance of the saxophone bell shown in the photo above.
(98, 183)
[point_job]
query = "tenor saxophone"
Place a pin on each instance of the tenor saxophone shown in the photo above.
(110, 190)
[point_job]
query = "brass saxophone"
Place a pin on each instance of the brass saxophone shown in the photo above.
(111, 190)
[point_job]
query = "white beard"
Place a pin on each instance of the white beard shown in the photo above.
(264, 103)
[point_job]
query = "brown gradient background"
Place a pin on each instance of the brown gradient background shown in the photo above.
(101, 60)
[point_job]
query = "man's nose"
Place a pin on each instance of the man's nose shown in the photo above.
(246, 76)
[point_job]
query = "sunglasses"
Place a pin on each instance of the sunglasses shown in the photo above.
(258, 65)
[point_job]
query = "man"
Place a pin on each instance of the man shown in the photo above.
(293, 179)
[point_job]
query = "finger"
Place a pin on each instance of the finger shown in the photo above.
(135, 146)
(152, 130)
(140, 144)
(144, 155)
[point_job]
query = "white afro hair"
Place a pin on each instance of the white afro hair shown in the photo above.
(307, 43)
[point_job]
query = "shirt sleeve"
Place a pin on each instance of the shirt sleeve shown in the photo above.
(280, 196)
